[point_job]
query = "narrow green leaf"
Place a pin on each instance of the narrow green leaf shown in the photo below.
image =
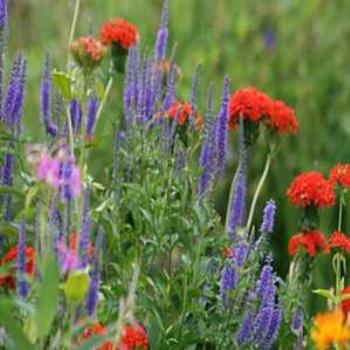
(47, 298)
(13, 328)
(11, 190)
(325, 293)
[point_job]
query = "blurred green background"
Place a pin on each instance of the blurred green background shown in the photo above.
(297, 51)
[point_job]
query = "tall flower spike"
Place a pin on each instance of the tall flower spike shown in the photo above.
(149, 86)
(85, 229)
(266, 288)
(22, 286)
(162, 35)
(268, 217)
(142, 93)
(3, 29)
(13, 88)
(45, 99)
(7, 180)
(262, 322)
(228, 282)
(171, 89)
(20, 96)
(131, 84)
(275, 322)
(92, 296)
(238, 204)
(91, 115)
(195, 92)
(75, 115)
(205, 162)
(221, 129)
(244, 334)
(209, 118)
(3, 15)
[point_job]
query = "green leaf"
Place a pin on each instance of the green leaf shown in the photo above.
(325, 293)
(63, 81)
(8, 229)
(11, 190)
(47, 298)
(13, 329)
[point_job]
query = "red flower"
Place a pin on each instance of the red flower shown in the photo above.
(340, 240)
(134, 337)
(345, 305)
(118, 31)
(97, 329)
(311, 188)
(340, 174)
(311, 241)
(227, 252)
(282, 118)
(8, 279)
(249, 103)
(87, 51)
(183, 111)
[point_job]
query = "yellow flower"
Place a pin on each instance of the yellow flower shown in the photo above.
(330, 329)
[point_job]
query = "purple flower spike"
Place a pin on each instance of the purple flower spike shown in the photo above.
(228, 282)
(92, 296)
(7, 180)
(275, 323)
(237, 205)
(162, 35)
(12, 108)
(3, 15)
(171, 89)
(76, 115)
(268, 217)
(262, 322)
(221, 129)
(91, 115)
(85, 229)
(297, 321)
(266, 288)
(22, 286)
(45, 99)
(206, 163)
(244, 334)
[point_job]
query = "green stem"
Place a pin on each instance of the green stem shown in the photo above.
(258, 190)
(340, 216)
(74, 22)
(104, 98)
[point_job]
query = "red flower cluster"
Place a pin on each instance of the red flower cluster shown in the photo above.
(87, 51)
(311, 241)
(9, 279)
(133, 337)
(340, 174)
(345, 305)
(283, 118)
(341, 241)
(183, 111)
(256, 106)
(118, 31)
(311, 188)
